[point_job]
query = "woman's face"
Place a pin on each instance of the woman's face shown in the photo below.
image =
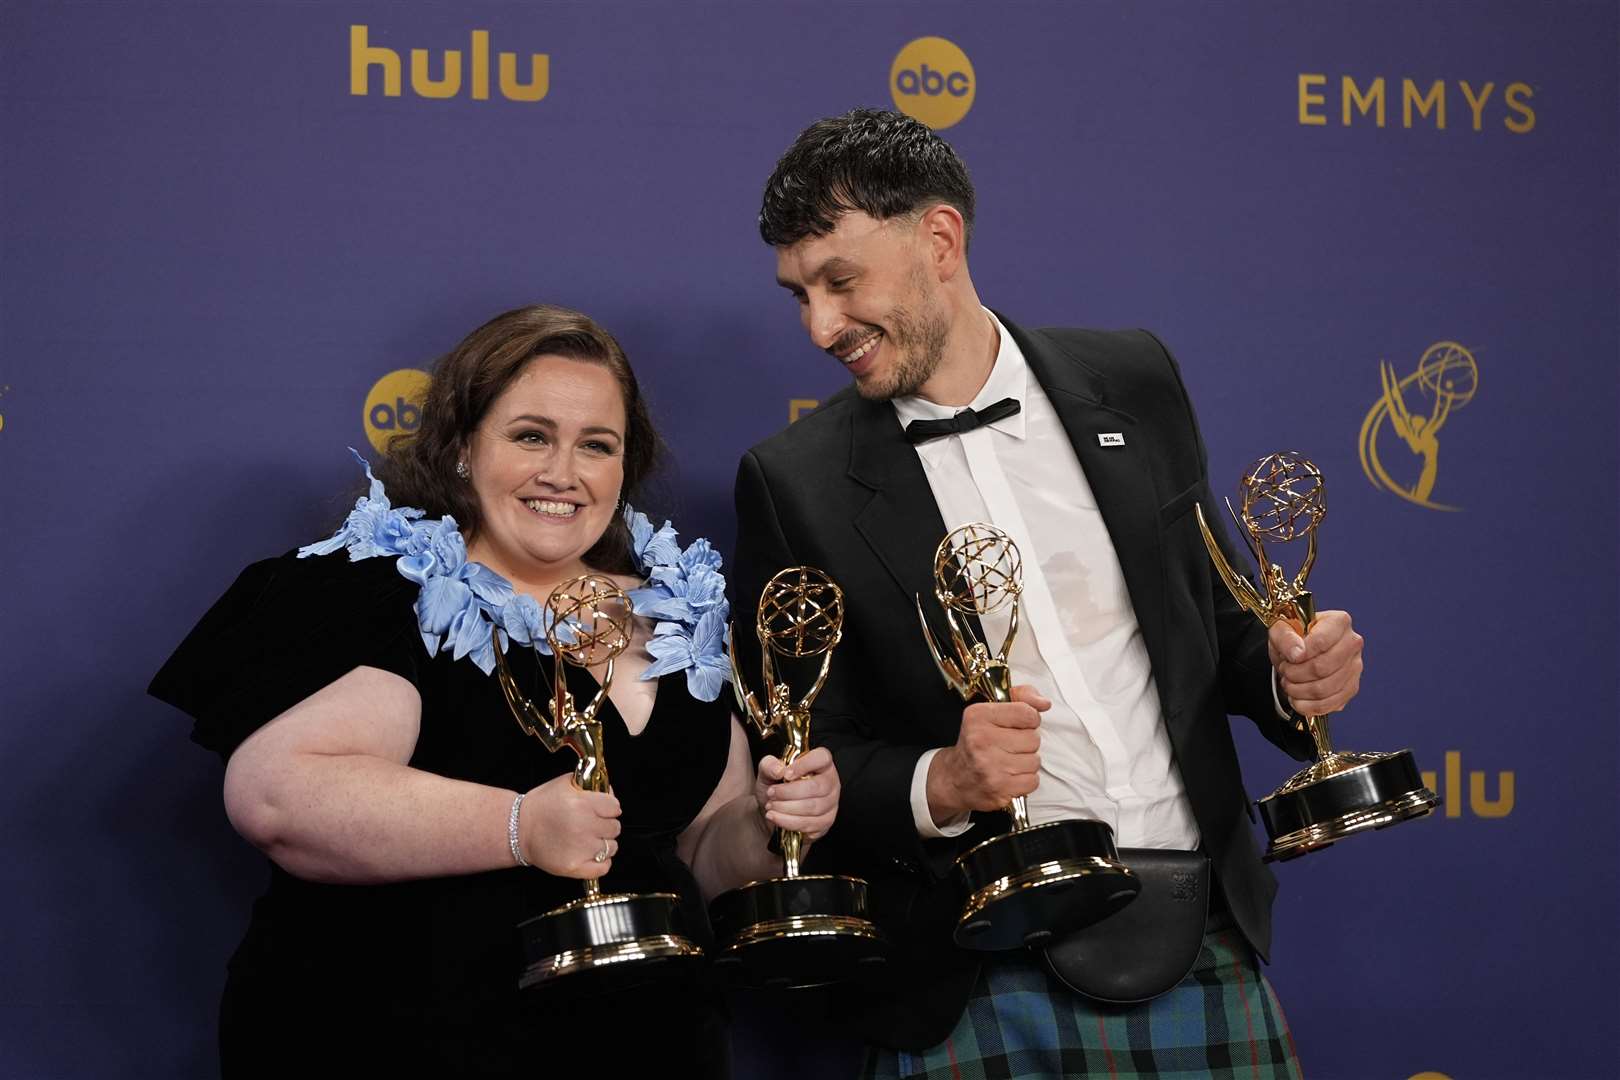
(547, 467)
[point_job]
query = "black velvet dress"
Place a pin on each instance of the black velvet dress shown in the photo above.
(422, 975)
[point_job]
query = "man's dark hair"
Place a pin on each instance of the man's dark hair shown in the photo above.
(881, 163)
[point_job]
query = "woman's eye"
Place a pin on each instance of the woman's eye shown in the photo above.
(598, 447)
(532, 438)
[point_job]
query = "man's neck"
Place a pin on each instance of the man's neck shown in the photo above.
(970, 355)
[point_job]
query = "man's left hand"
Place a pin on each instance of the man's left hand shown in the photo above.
(1321, 672)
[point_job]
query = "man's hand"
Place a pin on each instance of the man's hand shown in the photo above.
(996, 757)
(1321, 672)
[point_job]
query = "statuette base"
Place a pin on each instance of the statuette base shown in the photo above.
(791, 933)
(606, 942)
(1339, 796)
(1026, 886)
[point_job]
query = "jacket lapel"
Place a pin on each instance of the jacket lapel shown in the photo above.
(901, 523)
(1120, 476)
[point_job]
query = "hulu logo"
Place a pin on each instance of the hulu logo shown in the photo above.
(364, 57)
(1479, 802)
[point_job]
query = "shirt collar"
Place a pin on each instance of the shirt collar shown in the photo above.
(1009, 378)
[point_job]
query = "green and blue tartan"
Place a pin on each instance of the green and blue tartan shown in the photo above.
(1221, 1021)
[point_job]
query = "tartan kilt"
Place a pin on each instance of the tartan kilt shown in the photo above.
(1221, 1021)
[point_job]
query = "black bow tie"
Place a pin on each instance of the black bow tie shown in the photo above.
(920, 431)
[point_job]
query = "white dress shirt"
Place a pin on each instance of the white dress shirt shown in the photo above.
(1105, 752)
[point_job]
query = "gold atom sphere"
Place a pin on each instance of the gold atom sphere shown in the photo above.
(1283, 497)
(801, 612)
(590, 620)
(977, 569)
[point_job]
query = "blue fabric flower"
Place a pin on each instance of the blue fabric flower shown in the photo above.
(525, 621)
(373, 527)
(462, 603)
(699, 554)
(643, 599)
(486, 584)
(701, 653)
(441, 600)
(683, 592)
(651, 548)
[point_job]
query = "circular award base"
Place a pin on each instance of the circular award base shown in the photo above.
(1339, 796)
(606, 942)
(791, 933)
(1028, 885)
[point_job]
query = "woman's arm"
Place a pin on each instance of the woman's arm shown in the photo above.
(726, 844)
(324, 791)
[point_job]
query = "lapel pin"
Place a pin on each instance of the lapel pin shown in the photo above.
(1110, 438)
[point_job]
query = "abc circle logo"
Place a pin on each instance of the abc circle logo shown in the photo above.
(932, 80)
(394, 406)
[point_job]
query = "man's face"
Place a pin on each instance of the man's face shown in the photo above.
(868, 298)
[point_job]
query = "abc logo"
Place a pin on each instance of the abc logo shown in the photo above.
(932, 80)
(394, 406)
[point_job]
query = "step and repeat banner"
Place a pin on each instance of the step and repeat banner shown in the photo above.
(1382, 234)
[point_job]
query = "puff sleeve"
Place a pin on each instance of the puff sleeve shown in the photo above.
(285, 629)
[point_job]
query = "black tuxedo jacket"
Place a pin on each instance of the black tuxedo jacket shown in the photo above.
(842, 490)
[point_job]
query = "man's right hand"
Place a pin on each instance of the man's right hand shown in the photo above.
(996, 757)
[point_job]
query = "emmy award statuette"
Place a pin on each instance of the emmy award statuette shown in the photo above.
(604, 938)
(800, 929)
(1341, 793)
(1027, 885)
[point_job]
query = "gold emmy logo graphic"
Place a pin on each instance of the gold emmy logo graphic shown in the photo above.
(363, 56)
(3, 392)
(394, 406)
(801, 406)
(932, 80)
(1415, 408)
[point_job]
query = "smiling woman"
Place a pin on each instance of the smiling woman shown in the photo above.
(547, 465)
(410, 822)
(499, 387)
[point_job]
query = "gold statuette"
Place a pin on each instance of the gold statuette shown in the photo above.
(1036, 881)
(1341, 793)
(614, 938)
(800, 929)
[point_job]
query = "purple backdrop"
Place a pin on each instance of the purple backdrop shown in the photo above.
(213, 248)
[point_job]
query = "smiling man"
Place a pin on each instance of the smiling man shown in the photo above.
(1082, 446)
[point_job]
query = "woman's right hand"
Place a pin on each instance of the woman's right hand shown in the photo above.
(563, 829)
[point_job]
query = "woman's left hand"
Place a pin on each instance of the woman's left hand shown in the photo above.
(802, 797)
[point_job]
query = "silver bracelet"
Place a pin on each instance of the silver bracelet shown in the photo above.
(512, 831)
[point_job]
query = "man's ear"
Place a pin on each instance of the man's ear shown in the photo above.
(943, 230)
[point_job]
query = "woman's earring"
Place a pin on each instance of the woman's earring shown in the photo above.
(462, 470)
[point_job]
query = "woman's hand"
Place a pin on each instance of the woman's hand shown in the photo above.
(802, 797)
(568, 832)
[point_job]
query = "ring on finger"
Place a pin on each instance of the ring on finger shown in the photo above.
(602, 856)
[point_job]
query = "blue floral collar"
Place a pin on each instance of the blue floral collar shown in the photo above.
(460, 600)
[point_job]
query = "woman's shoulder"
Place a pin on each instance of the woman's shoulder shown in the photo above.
(285, 628)
(290, 594)
(344, 578)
